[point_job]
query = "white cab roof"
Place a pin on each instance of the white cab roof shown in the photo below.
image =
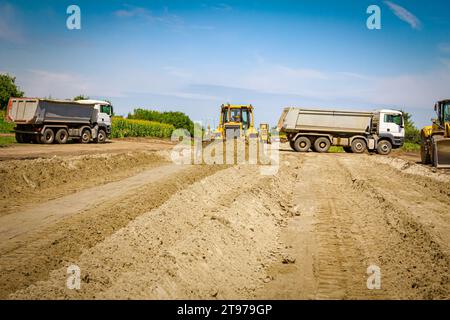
(389, 111)
(90, 101)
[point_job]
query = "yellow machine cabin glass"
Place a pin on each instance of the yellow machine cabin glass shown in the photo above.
(446, 112)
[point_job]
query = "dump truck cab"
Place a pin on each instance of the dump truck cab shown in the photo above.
(435, 147)
(236, 121)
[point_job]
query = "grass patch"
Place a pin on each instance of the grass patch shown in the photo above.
(5, 127)
(410, 147)
(5, 141)
(336, 149)
(123, 128)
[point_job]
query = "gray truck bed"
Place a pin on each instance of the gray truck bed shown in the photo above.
(38, 111)
(333, 121)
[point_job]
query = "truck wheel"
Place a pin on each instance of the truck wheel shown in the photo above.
(358, 146)
(348, 149)
(291, 143)
(48, 136)
(302, 144)
(19, 138)
(86, 136)
(322, 144)
(62, 136)
(384, 147)
(101, 136)
(425, 154)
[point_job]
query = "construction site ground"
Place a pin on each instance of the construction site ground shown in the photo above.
(140, 226)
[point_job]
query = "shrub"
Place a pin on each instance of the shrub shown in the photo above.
(122, 128)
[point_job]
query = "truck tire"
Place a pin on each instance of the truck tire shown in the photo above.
(85, 136)
(322, 144)
(19, 138)
(48, 136)
(348, 149)
(101, 136)
(302, 144)
(291, 143)
(62, 136)
(425, 156)
(359, 145)
(384, 147)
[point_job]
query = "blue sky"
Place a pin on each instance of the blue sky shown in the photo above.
(195, 55)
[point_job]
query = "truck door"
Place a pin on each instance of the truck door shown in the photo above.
(104, 116)
(392, 123)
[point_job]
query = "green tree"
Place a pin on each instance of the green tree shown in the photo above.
(412, 134)
(80, 97)
(8, 89)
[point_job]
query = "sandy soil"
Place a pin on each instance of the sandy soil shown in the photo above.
(33, 151)
(310, 231)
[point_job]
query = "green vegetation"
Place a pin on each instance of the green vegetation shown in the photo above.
(335, 149)
(5, 141)
(176, 119)
(8, 89)
(122, 128)
(410, 146)
(80, 97)
(5, 127)
(412, 134)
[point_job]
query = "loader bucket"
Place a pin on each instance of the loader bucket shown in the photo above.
(442, 153)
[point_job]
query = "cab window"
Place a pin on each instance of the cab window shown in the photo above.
(447, 112)
(393, 118)
(235, 115)
(245, 118)
(105, 109)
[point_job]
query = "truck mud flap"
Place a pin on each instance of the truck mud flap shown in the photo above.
(442, 153)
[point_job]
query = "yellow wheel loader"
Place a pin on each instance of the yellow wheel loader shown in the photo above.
(236, 121)
(435, 148)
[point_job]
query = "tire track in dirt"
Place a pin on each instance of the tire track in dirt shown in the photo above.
(353, 213)
(413, 235)
(27, 260)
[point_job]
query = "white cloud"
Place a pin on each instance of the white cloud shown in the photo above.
(10, 29)
(446, 62)
(139, 12)
(404, 15)
(444, 47)
(222, 7)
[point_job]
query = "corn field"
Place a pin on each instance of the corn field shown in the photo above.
(122, 128)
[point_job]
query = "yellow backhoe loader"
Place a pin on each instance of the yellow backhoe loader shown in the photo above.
(435, 148)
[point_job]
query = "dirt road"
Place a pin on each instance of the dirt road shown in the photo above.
(310, 231)
(33, 151)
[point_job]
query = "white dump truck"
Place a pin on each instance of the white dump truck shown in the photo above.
(356, 131)
(47, 121)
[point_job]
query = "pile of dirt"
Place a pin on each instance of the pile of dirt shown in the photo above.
(48, 178)
(214, 239)
(413, 168)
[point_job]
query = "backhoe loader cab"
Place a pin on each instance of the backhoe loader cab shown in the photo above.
(435, 148)
(236, 121)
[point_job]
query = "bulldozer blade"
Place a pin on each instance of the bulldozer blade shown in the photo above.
(442, 153)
